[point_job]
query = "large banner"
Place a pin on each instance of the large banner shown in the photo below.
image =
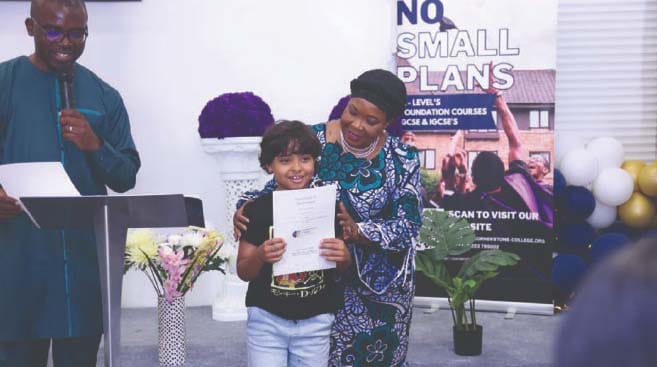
(481, 81)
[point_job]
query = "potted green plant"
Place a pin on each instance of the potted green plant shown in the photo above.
(446, 236)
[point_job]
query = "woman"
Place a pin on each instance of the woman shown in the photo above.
(378, 179)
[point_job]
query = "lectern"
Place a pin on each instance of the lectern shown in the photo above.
(110, 217)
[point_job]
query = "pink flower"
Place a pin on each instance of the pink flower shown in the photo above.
(171, 290)
(174, 265)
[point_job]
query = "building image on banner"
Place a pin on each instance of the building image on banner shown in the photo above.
(480, 76)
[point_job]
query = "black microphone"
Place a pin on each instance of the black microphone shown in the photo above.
(66, 88)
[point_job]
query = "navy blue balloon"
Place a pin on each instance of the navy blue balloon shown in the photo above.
(559, 182)
(624, 229)
(652, 234)
(575, 203)
(567, 271)
(576, 235)
(608, 244)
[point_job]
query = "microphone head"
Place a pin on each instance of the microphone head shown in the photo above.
(66, 88)
(66, 76)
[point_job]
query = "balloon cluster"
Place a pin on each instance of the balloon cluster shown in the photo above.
(602, 201)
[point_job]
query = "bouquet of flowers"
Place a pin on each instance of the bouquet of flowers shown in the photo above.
(173, 263)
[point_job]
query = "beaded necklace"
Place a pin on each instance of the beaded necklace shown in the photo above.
(358, 152)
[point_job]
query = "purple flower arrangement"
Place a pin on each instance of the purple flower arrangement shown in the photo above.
(337, 110)
(394, 129)
(234, 114)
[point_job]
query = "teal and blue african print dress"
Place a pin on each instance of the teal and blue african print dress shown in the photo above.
(382, 195)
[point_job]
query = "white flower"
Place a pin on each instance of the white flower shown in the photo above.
(191, 238)
(174, 239)
(229, 252)
(166, 249)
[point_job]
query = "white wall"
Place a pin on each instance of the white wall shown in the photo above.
(169, 57)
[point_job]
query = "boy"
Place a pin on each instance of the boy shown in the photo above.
(290, 316)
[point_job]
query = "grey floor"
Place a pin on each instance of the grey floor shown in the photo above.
(526, 340)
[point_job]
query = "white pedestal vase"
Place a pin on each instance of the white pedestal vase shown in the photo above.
(237, 161)
(229, 305)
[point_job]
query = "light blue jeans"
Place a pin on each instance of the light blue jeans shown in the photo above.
(277, 342)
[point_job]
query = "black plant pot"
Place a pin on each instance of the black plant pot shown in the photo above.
(468, 342)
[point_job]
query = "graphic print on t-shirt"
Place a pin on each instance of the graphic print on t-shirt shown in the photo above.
(299, 285)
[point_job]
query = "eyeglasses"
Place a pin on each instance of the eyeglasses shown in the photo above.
(53, 34)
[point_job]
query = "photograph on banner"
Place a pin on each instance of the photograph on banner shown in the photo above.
(480, 76)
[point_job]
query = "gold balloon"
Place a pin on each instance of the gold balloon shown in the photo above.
(648, 180)
(633, 167)
(637, 212)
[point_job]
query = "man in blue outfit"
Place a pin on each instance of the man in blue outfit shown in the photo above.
(49, 283)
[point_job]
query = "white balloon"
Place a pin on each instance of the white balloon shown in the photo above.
(608, 151)
(603, 216)
(579, 167)
(564, 143)
(613, 186)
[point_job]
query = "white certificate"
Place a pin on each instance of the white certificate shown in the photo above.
(36, 179)
(302, 218)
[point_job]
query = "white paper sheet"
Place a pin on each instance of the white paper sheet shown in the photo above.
(302, 218)
(36, 179)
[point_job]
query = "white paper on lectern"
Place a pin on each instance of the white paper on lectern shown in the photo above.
(302, 218)
(36, 179)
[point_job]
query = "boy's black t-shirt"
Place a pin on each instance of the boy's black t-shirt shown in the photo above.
(293, 296)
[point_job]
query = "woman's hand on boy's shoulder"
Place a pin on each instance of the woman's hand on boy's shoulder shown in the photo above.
(272, 250)
(240, 221)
